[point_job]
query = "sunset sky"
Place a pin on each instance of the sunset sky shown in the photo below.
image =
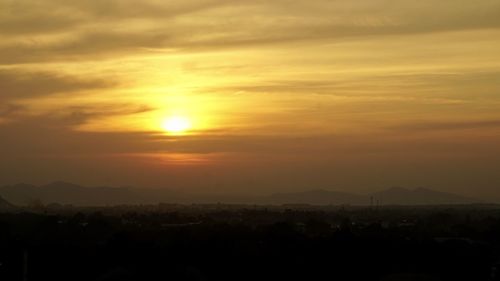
(250, 96)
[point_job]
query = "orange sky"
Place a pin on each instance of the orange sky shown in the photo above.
(268, 95)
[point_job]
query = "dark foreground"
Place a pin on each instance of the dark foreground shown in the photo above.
(216, 242)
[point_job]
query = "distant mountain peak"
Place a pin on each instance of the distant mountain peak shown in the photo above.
(419, 196)
(61, 184)
(395, 188)
(5, 205)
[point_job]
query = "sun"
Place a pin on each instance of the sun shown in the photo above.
(176, 125)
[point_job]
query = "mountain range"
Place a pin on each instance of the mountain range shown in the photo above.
(5, 205)
(68, 193)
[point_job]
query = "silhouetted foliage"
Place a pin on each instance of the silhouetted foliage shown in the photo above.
(224, 242)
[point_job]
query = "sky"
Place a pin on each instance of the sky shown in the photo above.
(251, 96)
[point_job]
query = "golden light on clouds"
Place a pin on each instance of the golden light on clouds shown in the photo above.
(243, 78)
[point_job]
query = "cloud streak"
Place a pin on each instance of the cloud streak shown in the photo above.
(92, 28)
(19, 84)
(450, 125)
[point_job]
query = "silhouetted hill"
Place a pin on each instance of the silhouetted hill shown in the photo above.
(68, 193)
(5, 206)
(419, 196)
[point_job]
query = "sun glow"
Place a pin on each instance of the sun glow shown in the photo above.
(176, 125)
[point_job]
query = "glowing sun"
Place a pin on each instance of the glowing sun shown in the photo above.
(176, 125)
